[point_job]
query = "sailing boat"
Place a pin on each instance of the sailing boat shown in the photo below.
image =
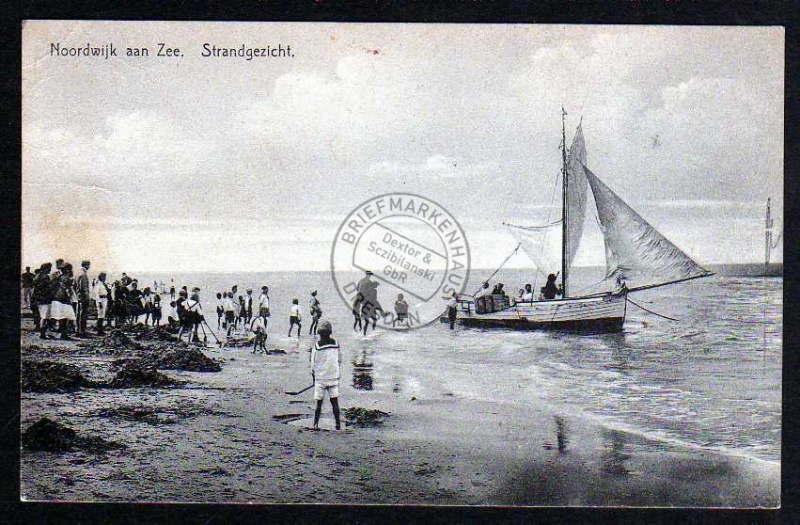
(638, 257)
(769, 245)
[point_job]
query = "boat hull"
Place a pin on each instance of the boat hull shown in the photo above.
(588, 314)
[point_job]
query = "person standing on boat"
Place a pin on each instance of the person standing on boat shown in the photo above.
(550, 289)
(326, 364)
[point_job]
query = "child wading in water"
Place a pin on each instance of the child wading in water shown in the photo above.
(295, 317)
(326, 360)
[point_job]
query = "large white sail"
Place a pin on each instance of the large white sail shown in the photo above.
(542, 244)
(637, 253)
(577, 190)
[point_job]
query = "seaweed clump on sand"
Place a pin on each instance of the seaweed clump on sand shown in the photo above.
(51, 376)
(364, 417)
(182, 357)
(50, 436)
(157, 333)
(114, 342)
(135, 377)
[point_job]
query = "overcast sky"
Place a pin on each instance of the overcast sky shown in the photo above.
(215, 164)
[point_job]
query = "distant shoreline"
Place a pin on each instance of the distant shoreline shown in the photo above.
(727, 269)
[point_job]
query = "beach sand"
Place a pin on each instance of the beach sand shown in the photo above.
(236, 436)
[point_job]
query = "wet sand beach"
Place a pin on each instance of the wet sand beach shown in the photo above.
(236, 436)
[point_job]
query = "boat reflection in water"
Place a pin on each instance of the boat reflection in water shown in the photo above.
(362, 371)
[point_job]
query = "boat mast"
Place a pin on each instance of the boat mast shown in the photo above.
(767, 238)
(564, 228)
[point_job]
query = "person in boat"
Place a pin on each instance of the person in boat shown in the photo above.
(295, 317)
(452, 310)
(527, 294)
(622, 286)
(498, 289)
(550, 289)
(400, 310)
(326, 364)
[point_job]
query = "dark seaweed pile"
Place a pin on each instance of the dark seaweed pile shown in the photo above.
(50, 436)
(181, 357)
(133, 377)
(364, 417)
(51, 376)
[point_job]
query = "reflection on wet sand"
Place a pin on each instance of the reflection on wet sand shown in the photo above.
(613, 456)
(362, 371)
(561, 434)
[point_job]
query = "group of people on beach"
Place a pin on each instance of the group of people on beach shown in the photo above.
(60, 299)
(366, 306)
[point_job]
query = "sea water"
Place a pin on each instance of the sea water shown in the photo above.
(708, 377)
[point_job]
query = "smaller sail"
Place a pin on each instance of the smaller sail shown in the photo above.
(542, 244)
(637, 253)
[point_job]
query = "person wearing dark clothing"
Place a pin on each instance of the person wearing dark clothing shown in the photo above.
(61, 305)
(452, 310)
(27, 287)
(41, 298)
(550, 289)
(84, 296)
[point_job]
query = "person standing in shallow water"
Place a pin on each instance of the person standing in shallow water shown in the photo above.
(452, 310)
(326, 364)
(315, 311)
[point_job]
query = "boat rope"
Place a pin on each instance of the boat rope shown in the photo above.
(650, 311)
(498, 268)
